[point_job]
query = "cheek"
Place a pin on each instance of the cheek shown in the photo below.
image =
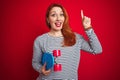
(63, 19)
(52, 23)
(51, 19)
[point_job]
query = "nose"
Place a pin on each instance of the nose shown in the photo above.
(58, 18)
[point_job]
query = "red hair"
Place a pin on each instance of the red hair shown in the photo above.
(69, 36)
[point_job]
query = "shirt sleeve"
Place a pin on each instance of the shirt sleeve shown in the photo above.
(37, 53)
(93, 44)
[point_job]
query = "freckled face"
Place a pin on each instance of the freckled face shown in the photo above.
(56, 18)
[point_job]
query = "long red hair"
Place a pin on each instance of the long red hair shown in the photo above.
(69, 36)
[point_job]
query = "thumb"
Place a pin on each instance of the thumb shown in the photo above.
(44, 66)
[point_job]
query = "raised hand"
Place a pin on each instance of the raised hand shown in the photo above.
(86, 21)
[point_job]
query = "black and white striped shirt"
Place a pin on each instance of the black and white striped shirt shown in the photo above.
(70, 56)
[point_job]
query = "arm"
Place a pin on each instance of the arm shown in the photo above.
(37, 53)
(36, 60)
(93, 45)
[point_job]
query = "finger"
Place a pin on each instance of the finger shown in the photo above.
(47, 72)
(44, 64)
(82, 15)
(44, 67)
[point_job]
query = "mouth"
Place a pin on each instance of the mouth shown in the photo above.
(58, 24)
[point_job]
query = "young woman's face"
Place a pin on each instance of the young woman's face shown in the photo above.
(56, 18)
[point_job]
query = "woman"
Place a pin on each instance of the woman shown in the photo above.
(61, 37)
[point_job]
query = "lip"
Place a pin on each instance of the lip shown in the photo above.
(58, 24)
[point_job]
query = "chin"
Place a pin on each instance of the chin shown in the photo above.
(57, 29)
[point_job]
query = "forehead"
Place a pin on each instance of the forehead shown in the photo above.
(56, 9)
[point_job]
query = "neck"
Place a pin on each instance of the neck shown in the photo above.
(55, 33)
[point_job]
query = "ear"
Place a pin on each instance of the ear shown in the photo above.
(48, 21)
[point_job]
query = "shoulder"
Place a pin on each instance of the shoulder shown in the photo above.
(78, 36)
(41, 37)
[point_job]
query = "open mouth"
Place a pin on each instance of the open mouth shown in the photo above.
(58, 24)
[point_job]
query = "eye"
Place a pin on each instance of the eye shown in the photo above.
(53, 15)
(61, 14)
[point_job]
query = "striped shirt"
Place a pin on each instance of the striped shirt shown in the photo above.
(70, 56)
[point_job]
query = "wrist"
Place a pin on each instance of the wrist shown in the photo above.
(88, 28)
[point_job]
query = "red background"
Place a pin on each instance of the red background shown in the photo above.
(23, 20)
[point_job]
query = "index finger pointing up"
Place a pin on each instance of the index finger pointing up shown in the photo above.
(82, 15)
